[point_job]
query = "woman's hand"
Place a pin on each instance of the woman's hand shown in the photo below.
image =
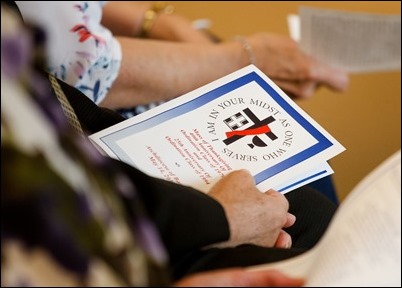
(237, 277)
(295, 72)
(254, 217)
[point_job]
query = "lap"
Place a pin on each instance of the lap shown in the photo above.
(313, 211)
(240, 256)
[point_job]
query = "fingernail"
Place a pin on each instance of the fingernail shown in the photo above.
(292, 218)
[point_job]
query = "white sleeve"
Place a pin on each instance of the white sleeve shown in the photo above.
(81, 51)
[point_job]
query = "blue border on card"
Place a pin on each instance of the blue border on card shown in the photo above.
(322, 142)
(302, 180)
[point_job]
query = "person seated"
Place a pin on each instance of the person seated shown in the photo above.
(95, 220)
(102, 49)
(99, 48)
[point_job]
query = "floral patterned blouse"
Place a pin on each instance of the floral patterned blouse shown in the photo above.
(82, 52)
(65, 218)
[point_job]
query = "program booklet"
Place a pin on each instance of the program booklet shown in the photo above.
(240, 121)
(362, 245)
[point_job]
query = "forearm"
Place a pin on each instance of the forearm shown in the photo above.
(154, 71)
(126, 18)
(175, 27)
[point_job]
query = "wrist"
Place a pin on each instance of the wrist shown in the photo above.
(247, 49)
(151, 14)
(174, 27)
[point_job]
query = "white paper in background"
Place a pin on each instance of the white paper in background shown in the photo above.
(362, 245)
(355, 42)
(294, 26)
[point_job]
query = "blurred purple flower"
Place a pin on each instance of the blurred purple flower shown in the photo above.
(149, 239)
(41, 91)
(89, 151)
(83, 206)
(124, 186)
(15, 53)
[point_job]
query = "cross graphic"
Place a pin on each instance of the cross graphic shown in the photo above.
(259, 127)
(236, 121)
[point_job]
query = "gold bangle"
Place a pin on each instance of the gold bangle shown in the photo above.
(151, 14)
(248, 48)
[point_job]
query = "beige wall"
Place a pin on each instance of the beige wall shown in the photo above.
(366, 119)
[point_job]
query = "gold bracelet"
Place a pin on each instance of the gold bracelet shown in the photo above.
(151, 14)
(247, 47)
